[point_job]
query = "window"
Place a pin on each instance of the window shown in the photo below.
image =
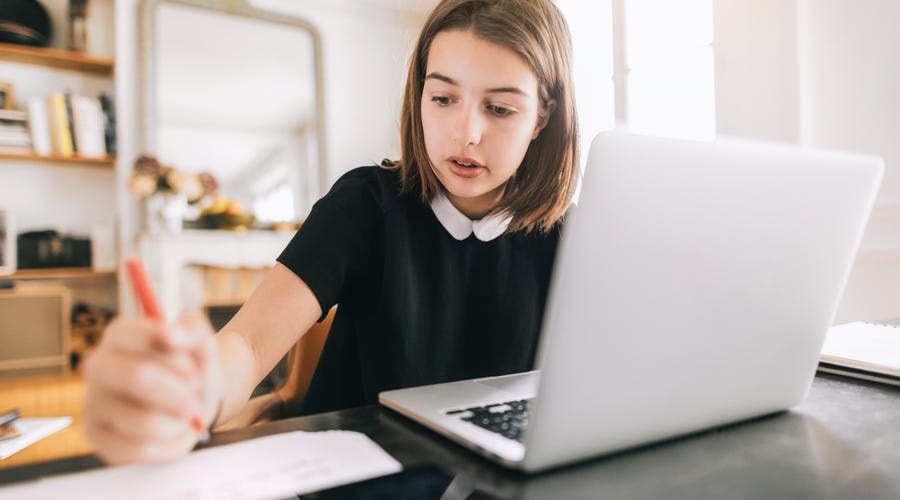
(664, 67)
(273, 198)
(644, 64)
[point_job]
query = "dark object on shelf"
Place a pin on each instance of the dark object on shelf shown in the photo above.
(109, 122)
(78, 25)
(88, 323)
(24, 22)
(70, 120)
(7, 284)
(42, 249)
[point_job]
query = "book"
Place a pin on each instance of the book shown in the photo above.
(70, 117)
(89, 127)
(15, 140)
(864, 350)
(58, 118)
(109, 120)
(39, 127)
(13, 117)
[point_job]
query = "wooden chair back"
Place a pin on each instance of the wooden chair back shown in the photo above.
(286, 399)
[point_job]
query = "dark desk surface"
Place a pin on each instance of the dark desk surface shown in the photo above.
(842, 442)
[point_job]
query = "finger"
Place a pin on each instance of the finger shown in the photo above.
(143, 334)
(137, 423)
(113, 446)
(145, 382)
(181, 364)
(117, 450)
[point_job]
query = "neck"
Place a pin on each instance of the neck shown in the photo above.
(476, 208)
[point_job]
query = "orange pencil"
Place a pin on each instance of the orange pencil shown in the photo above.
(142, 289)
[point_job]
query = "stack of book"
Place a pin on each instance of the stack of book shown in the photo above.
(14, 136)
(68, 125)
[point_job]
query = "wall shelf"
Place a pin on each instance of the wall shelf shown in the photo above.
(54, 58)
(106, 161)
(59, 273)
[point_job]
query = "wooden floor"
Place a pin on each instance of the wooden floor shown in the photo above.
(47, 396)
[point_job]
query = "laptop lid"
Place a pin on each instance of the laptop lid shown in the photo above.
(693, 287)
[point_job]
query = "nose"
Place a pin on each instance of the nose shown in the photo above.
(469, 126)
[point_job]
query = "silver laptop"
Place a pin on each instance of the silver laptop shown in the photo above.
(693, 287)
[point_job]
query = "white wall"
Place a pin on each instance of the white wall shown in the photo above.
(850, 100)
(851, 80)
(756, 68)
(825, 74)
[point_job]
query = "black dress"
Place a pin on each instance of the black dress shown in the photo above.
(416, 306)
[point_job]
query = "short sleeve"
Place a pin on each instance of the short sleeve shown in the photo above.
(330, 250)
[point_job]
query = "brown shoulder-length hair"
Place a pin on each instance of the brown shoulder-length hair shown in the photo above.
(539, 193)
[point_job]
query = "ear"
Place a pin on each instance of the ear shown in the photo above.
(543, 118)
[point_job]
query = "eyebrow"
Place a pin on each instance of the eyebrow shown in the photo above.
(496, 90)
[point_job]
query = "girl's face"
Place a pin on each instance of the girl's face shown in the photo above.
(479, 113)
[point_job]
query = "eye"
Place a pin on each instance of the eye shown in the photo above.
(499, 110)
(442, 100)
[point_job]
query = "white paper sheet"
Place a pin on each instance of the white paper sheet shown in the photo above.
(32, 430)
(871, 346)
(274, 466)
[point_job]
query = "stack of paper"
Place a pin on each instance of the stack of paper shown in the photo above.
(864, 350)
(31, 430)
(275, 466)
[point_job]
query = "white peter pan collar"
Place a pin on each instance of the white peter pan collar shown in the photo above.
(460, 227)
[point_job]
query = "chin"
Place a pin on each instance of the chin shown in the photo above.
(465, 190)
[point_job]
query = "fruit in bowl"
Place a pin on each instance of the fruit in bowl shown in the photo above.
(227, 214)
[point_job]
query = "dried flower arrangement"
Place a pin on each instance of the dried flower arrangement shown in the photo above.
(150, 177)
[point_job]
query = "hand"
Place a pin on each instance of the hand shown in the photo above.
(151, 389)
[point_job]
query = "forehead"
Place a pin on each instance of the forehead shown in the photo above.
(473, 61)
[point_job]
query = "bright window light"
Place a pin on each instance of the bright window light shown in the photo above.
(276, 206)
(654, 27)
(675, 97)
(671, 79)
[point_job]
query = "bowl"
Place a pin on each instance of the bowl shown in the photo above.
(230, 222)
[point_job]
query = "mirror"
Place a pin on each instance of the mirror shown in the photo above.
(236, 91)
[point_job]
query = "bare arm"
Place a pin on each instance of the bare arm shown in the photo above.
(272, 320)
(152, 388)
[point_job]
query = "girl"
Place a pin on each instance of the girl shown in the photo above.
(439, 263)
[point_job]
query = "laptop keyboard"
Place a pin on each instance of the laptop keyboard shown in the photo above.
(509, 419)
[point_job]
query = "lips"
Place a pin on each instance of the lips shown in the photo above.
(465, 162)
(465, 167)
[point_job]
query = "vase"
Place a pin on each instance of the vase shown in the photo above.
(165, 213)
